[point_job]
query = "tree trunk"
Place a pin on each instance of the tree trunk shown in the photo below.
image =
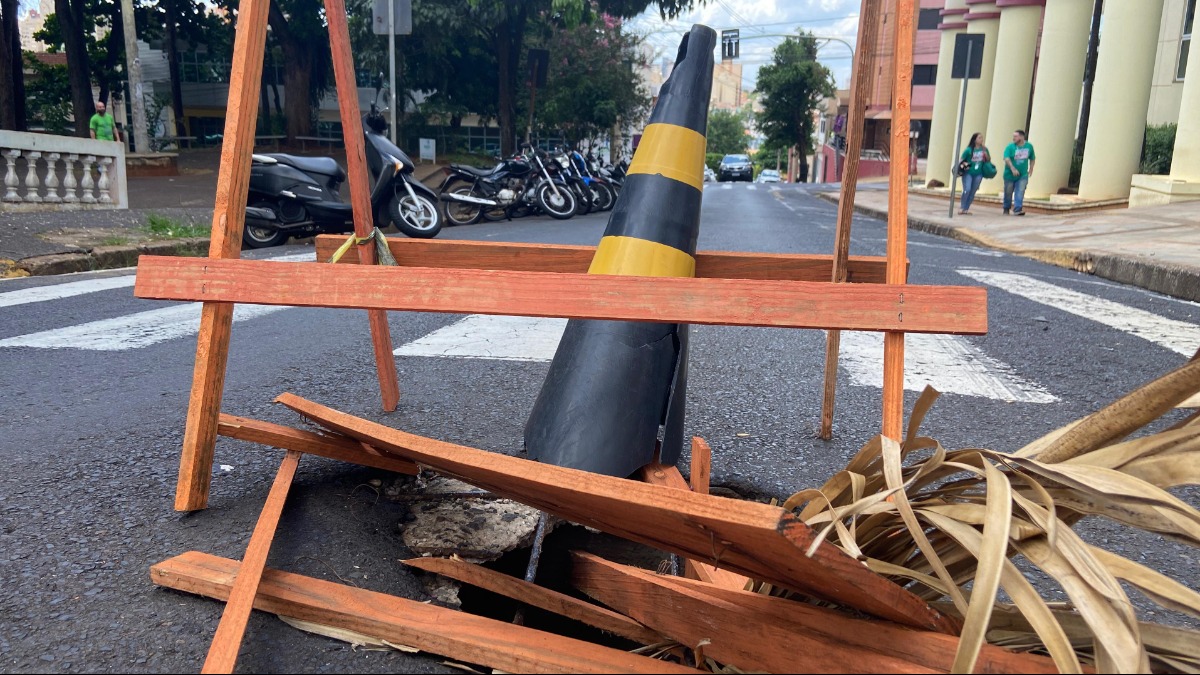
(173, 66)
(1089, 75)
(115, 56)
(509, 40)
(78, 68)
(12, 73)
(297, 77)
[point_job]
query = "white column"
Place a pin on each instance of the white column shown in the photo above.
(1185, 164)
(983, 17)
(945, 97)
(1120, 97)
(1012, 80)
(1054, 120)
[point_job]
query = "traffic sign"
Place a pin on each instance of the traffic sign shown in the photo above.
(731, 44)
(402, 16)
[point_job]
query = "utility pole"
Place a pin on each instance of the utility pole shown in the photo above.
(133, 65)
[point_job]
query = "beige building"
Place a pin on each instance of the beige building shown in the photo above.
(1140, 79)
(728, 92)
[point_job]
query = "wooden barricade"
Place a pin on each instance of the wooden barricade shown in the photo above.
(730, 289)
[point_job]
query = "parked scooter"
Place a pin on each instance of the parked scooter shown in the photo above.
(294, 196)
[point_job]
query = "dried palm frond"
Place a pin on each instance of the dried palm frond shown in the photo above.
(948, 525)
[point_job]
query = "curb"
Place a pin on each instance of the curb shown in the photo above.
(1176, 281)
(108, 257)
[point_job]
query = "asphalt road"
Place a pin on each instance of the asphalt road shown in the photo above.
(90, 439)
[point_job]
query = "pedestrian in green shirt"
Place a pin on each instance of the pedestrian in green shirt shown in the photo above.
(103, 126)
(1019, 160)
(971, 168)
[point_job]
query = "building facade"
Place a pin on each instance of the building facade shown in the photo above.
(926, 45)
(1037, 85)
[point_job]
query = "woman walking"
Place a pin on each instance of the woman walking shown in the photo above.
(972, 166)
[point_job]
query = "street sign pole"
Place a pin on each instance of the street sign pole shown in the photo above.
(962, 111)
(392, 67)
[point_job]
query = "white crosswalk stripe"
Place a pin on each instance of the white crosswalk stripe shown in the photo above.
(479, 336)
(1180, 337)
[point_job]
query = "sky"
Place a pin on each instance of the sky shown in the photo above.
(833, 18)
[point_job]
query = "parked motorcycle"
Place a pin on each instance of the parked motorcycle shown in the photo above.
(294, 196)
(522, 182)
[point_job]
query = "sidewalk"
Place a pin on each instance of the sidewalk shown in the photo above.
(1156, 248)
(59, 242)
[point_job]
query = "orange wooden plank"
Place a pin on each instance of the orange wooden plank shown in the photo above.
(216, 321)
(757, 540)
(360, 190)
(784, 304)
(897, 238)
(924, 648)
(668, 476)
(736, 637)
(336, 447)
(860, 93)
(513, 257)
(537, 596)
(457, 635)
(222, 654)
(701, 465)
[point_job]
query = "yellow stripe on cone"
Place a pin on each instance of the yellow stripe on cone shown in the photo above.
(672, 151)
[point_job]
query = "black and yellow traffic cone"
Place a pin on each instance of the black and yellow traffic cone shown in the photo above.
(613, 383)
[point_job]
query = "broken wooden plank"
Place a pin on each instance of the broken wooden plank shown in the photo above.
(488, 255)
(735, 636)
(222, 654)
(757, 540)
(934, 650)
(659, 474)
(783, 304)
(457, 635)
(330, 446)
(537, 596)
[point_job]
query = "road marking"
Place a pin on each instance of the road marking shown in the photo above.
(1180, 337)
(73, 288)
(726, 186)
(751, 186)
(479, 336)
(132, 331)
(949, 363)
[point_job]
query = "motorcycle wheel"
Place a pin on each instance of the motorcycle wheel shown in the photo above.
(583, 199)
(458, 213)
(417, 218)
(255, 236)
(560, 206)
(605, 197)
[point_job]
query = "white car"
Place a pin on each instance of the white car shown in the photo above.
(767, 176)
(709, 175)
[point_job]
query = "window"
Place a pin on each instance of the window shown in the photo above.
(1185, 42)
(924, 75)
(929, 19)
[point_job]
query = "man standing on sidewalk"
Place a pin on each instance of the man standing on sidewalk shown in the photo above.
(103, 126)
(1019, 159)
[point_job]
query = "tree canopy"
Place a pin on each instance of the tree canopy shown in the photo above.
(726, 132)
(792, 87)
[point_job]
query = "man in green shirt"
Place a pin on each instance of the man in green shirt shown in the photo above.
(1019, 159)
(103, 126)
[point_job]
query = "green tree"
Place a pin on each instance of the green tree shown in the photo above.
(792, 87)
(726, 132)
(591, 82)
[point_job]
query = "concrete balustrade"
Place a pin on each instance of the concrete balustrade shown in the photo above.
(36, 179)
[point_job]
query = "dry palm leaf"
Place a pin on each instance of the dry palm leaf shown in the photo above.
(948, 525)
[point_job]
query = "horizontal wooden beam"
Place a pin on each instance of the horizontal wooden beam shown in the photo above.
(490, 255)
(782, 304)
(340, 448)
(757, 540)
(735, 637)
(537, 596)
(930, 649)
(437, 630)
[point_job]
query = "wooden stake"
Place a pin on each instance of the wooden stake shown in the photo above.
(360, 192)
(222, 654)
(897, 238)
(860, 93)
(437, 630)
(536, 596)
(701, 465)
(336, 447)
(229, 214)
